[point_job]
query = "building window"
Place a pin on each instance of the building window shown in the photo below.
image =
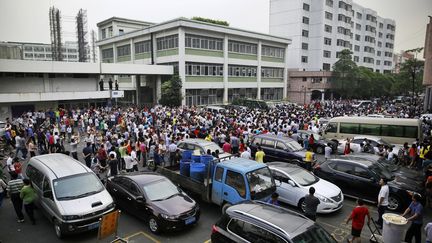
(328, 16)
(356, 48)
(357, 37)
(387, 63)
(381, 25)
(305, 46)
(203, 42)
(204, 96)
(379, 53)
(326, 66)
(359, 15)
(242, 71)
(305, 33)
(327, 54)
(327, 41)
(107, 53)
(271, 51)
(103, 33)
(123, 50)
(391, 27)
(242, 93)
(329, 3)
(379, 44)
(389, 45)
(304, 59)
(305, 20)
(358, 27)
(268, 72)
(368, 60)
(121, 31)
(327, 28)
(271, 93)
(143, 47)
(378, 62)
(204, 69)
(356, 59)
(242, 47)
(306, 7)
(167, 42)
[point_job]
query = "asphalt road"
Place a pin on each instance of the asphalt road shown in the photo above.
(135, 230)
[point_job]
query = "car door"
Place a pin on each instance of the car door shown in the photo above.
(281, 151)
(364, 182)
(254, 145)
(139, 202)
(47, 199)
(287, 193)
(234, 189)
(217, 187)
(268, 146)
(341, 175)
(121, 188)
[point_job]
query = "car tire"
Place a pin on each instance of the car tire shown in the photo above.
(319, 150)
(154, 225)
(302, 205)
(57, 229)
(395, 203)
(225, 207)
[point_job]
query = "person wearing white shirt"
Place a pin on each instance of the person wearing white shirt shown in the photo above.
(133, 155)
(128, 163)
(327, 151)
(382, 200)
(246, 154)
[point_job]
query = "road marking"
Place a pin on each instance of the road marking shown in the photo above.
(342, 232)
(142, 233)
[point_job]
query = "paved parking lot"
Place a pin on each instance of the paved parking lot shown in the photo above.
(135, 230)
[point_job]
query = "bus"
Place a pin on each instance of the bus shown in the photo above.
(393, 130)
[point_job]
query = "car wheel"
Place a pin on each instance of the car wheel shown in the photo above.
(225, 207)
(58, 229)
(395, 204)
(320, 150)
(154, 225)
(302, 205)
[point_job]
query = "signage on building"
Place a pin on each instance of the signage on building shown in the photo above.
(117, 94)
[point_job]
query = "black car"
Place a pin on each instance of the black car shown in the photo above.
(262, 222)
(360, 178)
(276, 148)
(155, 199)
(320, 142)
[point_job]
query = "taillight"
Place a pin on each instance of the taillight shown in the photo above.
(214, 229)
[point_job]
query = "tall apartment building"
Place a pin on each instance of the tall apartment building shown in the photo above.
(320, 29)
(216, 63)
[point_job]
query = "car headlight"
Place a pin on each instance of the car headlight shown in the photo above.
(70, 217)
(111, 205)
(323, 199)
(166, 216)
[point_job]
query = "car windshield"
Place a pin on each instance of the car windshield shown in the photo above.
(213, 147)
(294, 146)
(160, 190)
(314, 234)
(303, 177)
(261, 183)
(77, 186)
(383, 142)
(381, 171)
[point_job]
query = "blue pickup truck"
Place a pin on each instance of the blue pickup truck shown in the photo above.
(233, 180)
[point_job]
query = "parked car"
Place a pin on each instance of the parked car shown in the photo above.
(216, 109)
(69, 194)
(295, 183)
(202, 145)
(375, 142)
(262, 222)
(320, 142)
(155, 199)
(278, 148)
(355, 148)
(360, 178)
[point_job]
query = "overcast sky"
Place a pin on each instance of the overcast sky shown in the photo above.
(27, 20)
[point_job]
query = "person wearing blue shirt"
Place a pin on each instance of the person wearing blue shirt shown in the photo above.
(274, 199)
(415, 211)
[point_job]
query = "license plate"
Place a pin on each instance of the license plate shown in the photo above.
(190, 220)
(93, 226)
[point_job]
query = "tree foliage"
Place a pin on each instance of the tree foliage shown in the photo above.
(212, 21)
(351, 81)
(171, 92)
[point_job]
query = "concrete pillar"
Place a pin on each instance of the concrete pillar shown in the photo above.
(322, 95)
(259, 70)
(285, 75)
(114, 52)
(158, 84)
(225, 70)
(182, 62)
(137, 89)
(46, 83)
(132, 50)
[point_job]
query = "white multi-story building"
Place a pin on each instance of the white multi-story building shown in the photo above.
(320, 29)
(216, 63)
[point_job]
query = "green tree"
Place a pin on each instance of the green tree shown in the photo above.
(171, 92)
(344, 75)
(410, 78)
(211, 21)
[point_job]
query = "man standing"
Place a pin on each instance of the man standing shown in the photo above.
(172, 148)
(309, 157)
(415, 210)
(327, 151)
(311, 204)
(382, 200)
(245, 154)
(113, 164)
(87, 152)
(358, 217)
(259, 155)
(74, 147)
(13, 189)
(28, 196)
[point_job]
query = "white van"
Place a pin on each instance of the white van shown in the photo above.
(69, 193)
(361, 103)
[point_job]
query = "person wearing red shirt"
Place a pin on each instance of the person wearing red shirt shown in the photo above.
(358, 218)
(226, 147)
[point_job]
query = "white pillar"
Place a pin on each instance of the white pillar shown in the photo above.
(322, 94)
(225, 70)
(285, 76)
(114, 52)
(259, 70)
(132, 50)
(158, 88)
(182, 62)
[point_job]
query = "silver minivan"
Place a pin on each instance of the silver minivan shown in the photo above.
(69, 193)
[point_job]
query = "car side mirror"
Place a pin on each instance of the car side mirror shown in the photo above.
(48, 194)
(291, 182)
(279, 182)
(139, 198)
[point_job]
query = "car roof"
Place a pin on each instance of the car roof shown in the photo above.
(60, 165)
(286, 167)
(272, 136)
(285, 221)
(198, 141)
(240, 164)
(354, 160)
(144, 178)
(368, 137)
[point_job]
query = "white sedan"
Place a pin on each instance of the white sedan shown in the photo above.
(295, 183)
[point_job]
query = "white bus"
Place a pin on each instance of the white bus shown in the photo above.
(393, 130)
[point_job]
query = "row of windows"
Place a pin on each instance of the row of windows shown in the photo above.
(201, 42)
(143, 47)
(242, 47)
(123, 50)
(388, 54)
(368, 60)
(345, 6)
(371, 18)
(344, 18)
(107, 53)
(204, 96)
(369, 49)
(167, 42)
(271, 93)
(370, 28)
(389, 45)
(379, 130)
(204, 69)
(272, 51)
(369, 39)
(268, 72)
(242, 93)
(343, 43)
(387, 63)
(242, 71)
(344, 31)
